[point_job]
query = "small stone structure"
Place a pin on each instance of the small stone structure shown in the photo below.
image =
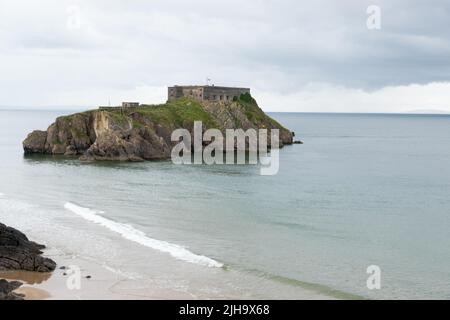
(125, 105)
(130, 104)
(206, 93)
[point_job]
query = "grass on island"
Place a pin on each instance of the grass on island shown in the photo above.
(174, 113)
(184, 111)
(254, 113)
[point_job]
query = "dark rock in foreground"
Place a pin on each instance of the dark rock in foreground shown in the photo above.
(7, 288)
(19, 253)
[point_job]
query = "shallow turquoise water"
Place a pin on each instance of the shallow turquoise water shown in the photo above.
(363, 190)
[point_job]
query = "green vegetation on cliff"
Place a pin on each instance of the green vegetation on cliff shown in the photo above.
(255, 114)
(183, 111)
(178, 113)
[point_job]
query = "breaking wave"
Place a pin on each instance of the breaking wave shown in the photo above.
(130, 233)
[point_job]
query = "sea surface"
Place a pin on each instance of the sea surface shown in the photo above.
(363, 190)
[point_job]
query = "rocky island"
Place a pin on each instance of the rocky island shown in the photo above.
(143, 132)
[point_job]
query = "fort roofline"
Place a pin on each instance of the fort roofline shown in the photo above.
(208, 86)
(205, 92)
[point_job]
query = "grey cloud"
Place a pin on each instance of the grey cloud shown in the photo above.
(272, 45)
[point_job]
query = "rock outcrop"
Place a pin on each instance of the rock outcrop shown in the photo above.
(144, 133)
(19, 253)
(7, 290)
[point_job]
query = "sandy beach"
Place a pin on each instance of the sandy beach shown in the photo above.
(54, 286)
(99, 282)
(96, 283)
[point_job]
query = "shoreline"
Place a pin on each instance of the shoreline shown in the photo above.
(97, 282)
(167, 278)
(140, 272)
(54, 285)
(105, 284)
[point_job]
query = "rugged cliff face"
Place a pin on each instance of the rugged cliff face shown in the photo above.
(144, 133)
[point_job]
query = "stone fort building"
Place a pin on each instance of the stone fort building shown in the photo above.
(206, 93)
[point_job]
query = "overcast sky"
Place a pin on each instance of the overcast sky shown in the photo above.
(294, 55)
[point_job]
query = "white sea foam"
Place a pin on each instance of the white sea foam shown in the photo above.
(2, 194)
(132, 234)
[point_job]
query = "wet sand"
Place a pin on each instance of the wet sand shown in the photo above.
(29, 280)
(102, 284)
(56, 285)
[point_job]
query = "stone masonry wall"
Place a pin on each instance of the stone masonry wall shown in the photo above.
(208, 93)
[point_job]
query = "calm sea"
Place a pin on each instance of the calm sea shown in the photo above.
(363, 189)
